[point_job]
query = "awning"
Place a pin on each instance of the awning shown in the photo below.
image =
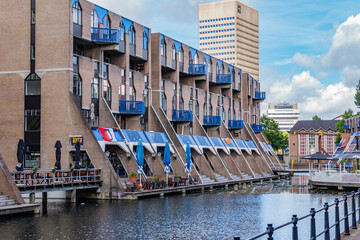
(218, 144)
(231, 145)
(132, 137)
(204, 143)
(158, 139)
(109, 136)
(251, 145)
(184, 139)
(242, 146)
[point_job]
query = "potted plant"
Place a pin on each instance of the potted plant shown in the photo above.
(153, 181)
(133, 177)
(176, 177)
(54, 169)
(35, 169)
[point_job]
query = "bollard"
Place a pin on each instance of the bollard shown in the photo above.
(326, 223)
(312, 224)
(294, 220)
(346, 217)
(353, 213)
(270, 231)
(236, 187)
(337, 220)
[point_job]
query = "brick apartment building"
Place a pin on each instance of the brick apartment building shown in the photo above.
(75, 69)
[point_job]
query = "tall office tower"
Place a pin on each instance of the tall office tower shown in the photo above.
(286, 115)
(230, 31)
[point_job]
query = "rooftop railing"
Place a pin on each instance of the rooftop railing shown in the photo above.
(212, 120)
(131, 107)
(182, 116)
(260, 95)
(107, 35)
(256, 128)
(199, 69)
(223, 78)
(235, 124)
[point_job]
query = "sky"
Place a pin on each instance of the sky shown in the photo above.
(309, 50)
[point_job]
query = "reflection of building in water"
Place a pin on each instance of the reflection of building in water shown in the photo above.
(286, 115)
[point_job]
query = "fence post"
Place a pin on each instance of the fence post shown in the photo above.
(346, 217)
(312, 224)
(326, 224)
(270, 231)
(353, 210)
(337, 220)
(359, 202)
(294, 228)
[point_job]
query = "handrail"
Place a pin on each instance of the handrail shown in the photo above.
(327, 227)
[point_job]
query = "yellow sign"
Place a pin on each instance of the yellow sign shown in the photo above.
(77, 139)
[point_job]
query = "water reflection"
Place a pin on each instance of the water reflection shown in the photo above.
(217, 215)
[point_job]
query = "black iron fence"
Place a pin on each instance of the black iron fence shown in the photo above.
(321, 215)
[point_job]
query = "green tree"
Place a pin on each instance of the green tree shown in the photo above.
(273, 134)
(340, 124)
(357, 95)
(316, 117)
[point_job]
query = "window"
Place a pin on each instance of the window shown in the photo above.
(173, 52)
(302, 145)
(145, 41)
(122, 31)
(106, 21)
(77, 85)
(94, 19)
(95, 88)
(311, 144)
(196, 103)
(132, 35)
(76, 9)
(196, 60)
(163, 47)
(32, 52)
(32, 85)
(122, 91)
(181, 100)
(33, 16)
(32, 120)
(181, 55)
(132, 92)
(107, 90)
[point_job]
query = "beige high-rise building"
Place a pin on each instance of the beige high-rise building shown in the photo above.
(230, 31)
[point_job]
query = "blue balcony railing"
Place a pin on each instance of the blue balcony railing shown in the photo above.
(212, 120)
(346, 127)
(223, 78)
(107, 35)
(182, 116)
(235, 124)
(197, 69)
(131, 107)
(256, 128)
(260, 95)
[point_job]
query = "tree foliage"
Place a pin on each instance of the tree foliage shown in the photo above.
(340, 124)
(273, 134)
(316, 117)
(357, 95)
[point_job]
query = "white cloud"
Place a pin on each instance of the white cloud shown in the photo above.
(312, 96)
(344, 50)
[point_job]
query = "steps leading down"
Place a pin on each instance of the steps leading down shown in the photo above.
(206, 179)
(221, 178)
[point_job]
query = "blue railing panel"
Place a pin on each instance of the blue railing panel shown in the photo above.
(212, 120)
(346, 127)
(235, 124)
(182, 116)
(223, 78)
(156, 137)
(197, 69)
(256, 128)
(260, 95)
(184, 139)
(216, 142)
(105, 35)
(131, 107)
(202, 141)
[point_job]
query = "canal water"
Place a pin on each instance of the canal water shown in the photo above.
(221, 214)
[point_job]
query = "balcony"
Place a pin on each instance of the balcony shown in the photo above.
(223, 78)
(197, 69)
(212, 120)
(106, 35)
(235, 124)
(256, 128)
(260, 96)
(346, 127)
(182, 116)
(131, 107)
